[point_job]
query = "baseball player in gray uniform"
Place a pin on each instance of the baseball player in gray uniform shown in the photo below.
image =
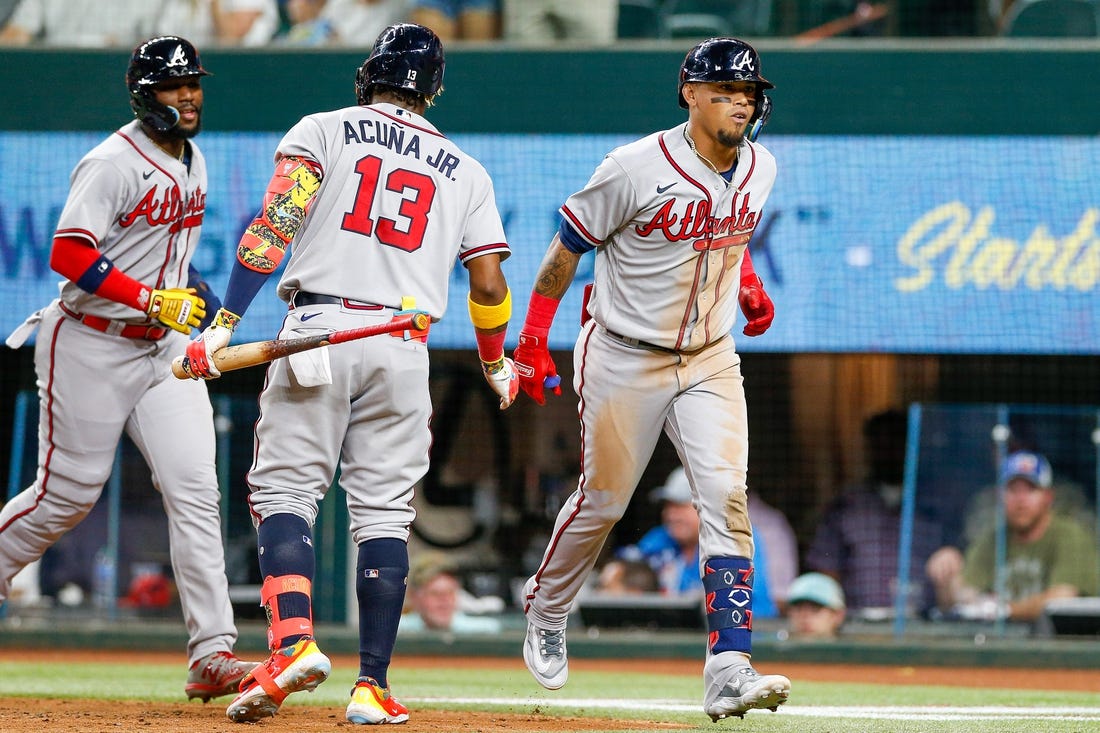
(670, 217)
(104, 349)
(377, 206)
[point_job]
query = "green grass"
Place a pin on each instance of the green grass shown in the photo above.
(810, 710)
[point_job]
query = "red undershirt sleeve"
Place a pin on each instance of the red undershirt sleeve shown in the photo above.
(77, 260)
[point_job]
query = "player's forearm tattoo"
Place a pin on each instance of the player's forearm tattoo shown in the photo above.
(557, 271)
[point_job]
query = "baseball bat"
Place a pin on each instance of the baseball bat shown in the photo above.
(261, 352)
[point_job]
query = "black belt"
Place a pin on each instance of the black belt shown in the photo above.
(638, 343)
(303, 299)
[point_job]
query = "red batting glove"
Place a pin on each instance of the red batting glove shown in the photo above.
(756, 305)
(533, 364)
(535, 368)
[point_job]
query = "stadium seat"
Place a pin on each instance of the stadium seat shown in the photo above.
(1053, 19)
(696, 25)
(735, 17)
(640, 19)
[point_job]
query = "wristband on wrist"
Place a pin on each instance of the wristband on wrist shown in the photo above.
(490, 346)
(747, 270)
(540, 314)
(489, 317)
(226, 319)
(492, 367)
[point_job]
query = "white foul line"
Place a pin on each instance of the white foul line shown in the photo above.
(900, 712)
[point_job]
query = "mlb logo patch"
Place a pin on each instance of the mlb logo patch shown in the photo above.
(370, 573)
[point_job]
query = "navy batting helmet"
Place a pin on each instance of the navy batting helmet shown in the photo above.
(405, 56)
(722, 59)
(154, 61)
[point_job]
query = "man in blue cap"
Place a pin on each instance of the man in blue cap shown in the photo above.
(1047, 556)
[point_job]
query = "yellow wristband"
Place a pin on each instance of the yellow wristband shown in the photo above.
(488, 317)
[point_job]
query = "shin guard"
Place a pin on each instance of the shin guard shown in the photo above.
(727, 582)
(288, 602)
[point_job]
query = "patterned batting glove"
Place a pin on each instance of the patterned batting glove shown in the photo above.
(199, 362)
(502, 377)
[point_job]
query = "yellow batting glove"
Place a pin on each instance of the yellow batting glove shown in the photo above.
(178, 308)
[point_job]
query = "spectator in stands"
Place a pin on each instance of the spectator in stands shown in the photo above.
(220, 22)
(458, 20)
(815, 607)
(1048, 555)
(308, 26)
(856, 540)
(78, 23)
(359, 22)
(547, 21)
(435, 598)
(777, 551)
(6, 9)
(672, 547)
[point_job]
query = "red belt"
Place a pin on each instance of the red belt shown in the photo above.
(118, 328)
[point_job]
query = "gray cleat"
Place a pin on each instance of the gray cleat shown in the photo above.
(733, 687)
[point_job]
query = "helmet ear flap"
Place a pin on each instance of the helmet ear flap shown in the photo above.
(160, 117)
(362, 91)
(760, 118)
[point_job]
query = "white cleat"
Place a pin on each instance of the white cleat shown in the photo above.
(544, 654)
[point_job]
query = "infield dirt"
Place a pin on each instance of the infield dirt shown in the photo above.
(27, 715)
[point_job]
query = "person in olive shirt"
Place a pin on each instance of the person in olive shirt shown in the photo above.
(1047, 555)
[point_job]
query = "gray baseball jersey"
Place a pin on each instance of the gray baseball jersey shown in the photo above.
(143, 209)
(670, 233)
(657, 355)
(140, 208)
(398, 205)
